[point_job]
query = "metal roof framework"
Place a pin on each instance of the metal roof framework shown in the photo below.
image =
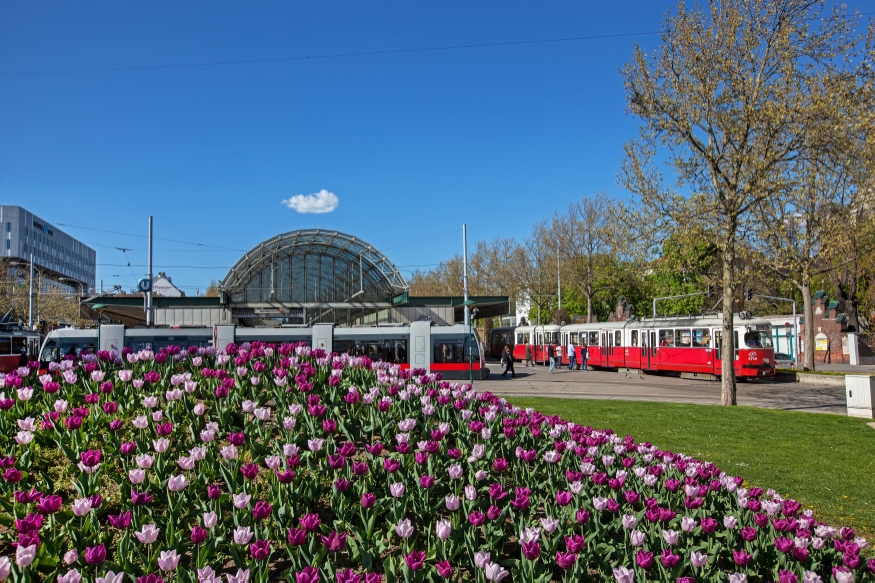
(313, 265)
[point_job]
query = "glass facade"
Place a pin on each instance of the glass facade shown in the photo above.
(313, 266)
(52, 249)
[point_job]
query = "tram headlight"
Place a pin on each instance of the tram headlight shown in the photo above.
(766, 361)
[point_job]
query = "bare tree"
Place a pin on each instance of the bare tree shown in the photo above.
(725, 96)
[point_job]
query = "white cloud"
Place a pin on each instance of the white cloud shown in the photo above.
(319, 202)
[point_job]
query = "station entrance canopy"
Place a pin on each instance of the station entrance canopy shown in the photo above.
(307, 277)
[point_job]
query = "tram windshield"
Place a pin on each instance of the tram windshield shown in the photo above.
(754, 339)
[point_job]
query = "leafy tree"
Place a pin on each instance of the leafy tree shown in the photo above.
(725, 99)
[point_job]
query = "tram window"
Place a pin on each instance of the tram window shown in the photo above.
(735, 337)
(555, 337)
(453, 351)
(683, 338)
(573, 337)
(701, 338)
(500, 338)
(344, 346)
(522, 338)
(666, 338)
(593, 338)
(397, 350)
(757, 340)
(5, 345)
(618, 338)
(634, 338)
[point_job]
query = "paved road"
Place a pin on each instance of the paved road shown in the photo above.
(611, 385)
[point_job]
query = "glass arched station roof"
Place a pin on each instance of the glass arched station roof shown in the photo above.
(313, 265)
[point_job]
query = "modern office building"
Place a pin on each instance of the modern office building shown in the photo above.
(58, 256)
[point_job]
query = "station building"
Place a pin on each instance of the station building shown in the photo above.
(302, 278)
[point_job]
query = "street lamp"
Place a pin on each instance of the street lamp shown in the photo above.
(99, 308)
(468, 304)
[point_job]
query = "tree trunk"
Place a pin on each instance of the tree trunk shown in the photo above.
(588, 308)
(727, 345)
(808, 323)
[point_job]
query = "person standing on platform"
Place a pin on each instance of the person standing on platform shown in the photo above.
(584, 355)
(529, 360)
(551, 354)
(572, 353)
(507, 361)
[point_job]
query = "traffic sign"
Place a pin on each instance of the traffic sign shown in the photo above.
(144, 285)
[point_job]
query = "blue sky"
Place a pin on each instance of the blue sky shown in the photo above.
(412, 144)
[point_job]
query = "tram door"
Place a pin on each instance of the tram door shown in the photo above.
(651, 350)
(718, 346)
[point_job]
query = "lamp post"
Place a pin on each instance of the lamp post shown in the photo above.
(468, 304)
(99, 308)
(81, 293)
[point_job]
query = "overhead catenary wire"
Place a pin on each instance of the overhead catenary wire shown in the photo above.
(327, 55)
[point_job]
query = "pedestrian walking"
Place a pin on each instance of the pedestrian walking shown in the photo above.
(584, 355)
(551, 354)
(572, 353)
(507, 361)
(529, 360)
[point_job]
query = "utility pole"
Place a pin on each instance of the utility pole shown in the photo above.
(465, 270)
(559, 283)
(149, 293)
(30, 302)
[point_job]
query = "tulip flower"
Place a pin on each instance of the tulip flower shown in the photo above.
(81, 507)
(494, 572)
(95, 555)
(177, 483)
(242, 576)
(443, 529)
(241, 500)
(624, 575)
(415, 560)
(444, 569)
(148, 534)
(242, 535)
(260, 550)
(335, 541)
(168, 560)
(111, 577)
(308, 575)
(404, 529)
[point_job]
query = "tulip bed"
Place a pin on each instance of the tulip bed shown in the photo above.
(270, 462)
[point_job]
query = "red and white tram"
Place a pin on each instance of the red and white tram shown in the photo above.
(684, 344)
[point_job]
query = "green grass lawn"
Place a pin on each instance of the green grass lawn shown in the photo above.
(826, 462)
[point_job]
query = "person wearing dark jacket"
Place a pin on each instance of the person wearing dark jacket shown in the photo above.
(507, 361)
(551, 354)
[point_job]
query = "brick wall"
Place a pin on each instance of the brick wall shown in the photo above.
(832, 324)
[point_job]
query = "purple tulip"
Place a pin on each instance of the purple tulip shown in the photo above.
(582, 516)
(565, 560)
(563, 498)
(110, 407)
(348, 576)
(391, 465)
(120, 521)
(336, 461)
(28, 497)
(368, 500)
(741, 558)
(784, 544)
(445, 570)
(198, 534)
(426, 481)
(261, 510)
(308, 575)
(260, 549)
(284, 477)
(360, 468)
(237, 439)
(249, 471)
(531, 550)
(296, 536)
(164, 429)
(141, 498)
(310, 522)
(91, 457)
(151, 578)
(374, 449)
(329, 425)
(214, 491)
(128, 448)
(341, 484)
(49, 505)
(476, 518)
(96, 500)
(420, 457)
(496, 491)
(644, 559)
(709, 525)
(493, 512)
(335, 541)
(415, 560)
(669, 559)
(575, 543)
(95, 555)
